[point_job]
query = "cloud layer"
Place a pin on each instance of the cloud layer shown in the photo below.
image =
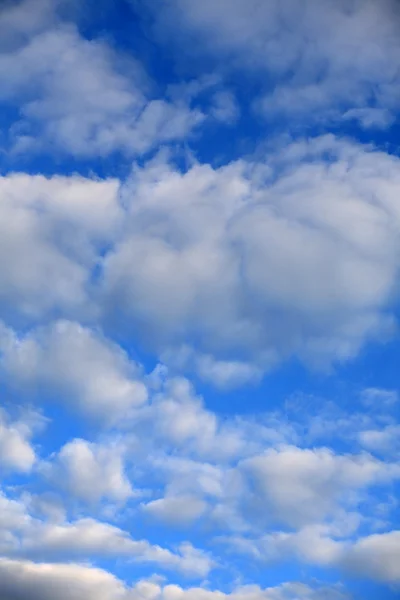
(199, 293)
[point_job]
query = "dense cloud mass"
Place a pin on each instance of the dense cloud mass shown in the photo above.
(236, 253)
(199, 300)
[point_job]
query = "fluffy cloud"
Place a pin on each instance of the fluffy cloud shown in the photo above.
(376, 556)
(324, 57)
(233, 252)
(178, 510)
(89, 537)
(79, 96)
(385, 440)
(69, 362)
(178, 418)
(260, 261)
(304, 486)
(373, 557)
(217, 272)
(20, 580)
(89, 472)
(24, 535)
(51, 230)
(16, 451)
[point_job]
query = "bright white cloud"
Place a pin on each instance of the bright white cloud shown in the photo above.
(76, 365)
(373, 557)
(23, 535)
(51, 230)
(89, 472)
(260, 261)
(220, 272)
(304, 486)
(88, 537)
(178, 510)
(16, 451)
(385, 440)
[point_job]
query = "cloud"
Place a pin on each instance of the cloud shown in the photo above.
(179, 419)
(176, 511)
(75, 365)
(22, 579)
(316, 59)
(385, 440)
(225, 107)
(51, 231)
(89, 472)
(373, 557)
(23, 535)
(376, 557)
(90, 537)
(301, 486)
(79, 96)
(16, 451)
(259, 261)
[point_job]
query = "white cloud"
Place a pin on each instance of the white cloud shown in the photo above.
(324, 57)
(75, 365)
(256, 262)
(51, 230)
(385, 440)
(26, 536)
(376, 556)
(22, 579)
(89, 472)
(16, 451)
(79, 96)
(88, 537)
(302, 486)
(179, 418)
(13, 520)
(176, 510)
(223, 373)
(373, 557)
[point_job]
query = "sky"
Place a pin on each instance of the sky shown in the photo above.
(199, 299)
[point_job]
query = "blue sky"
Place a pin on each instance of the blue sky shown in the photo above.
(199, 300)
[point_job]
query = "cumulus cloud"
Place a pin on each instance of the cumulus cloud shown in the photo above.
(79, 96)
(16, 451)
(23, 535)
(178, 510)
(89, 472)
(218, 273)
(373, 557)
(51, 230)
(76, 365)
(320, 58)
(23, 579)
(90, 537)
(385, 440)
(20, 580)
(305, 486)
(260, 261)
(376, 556)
